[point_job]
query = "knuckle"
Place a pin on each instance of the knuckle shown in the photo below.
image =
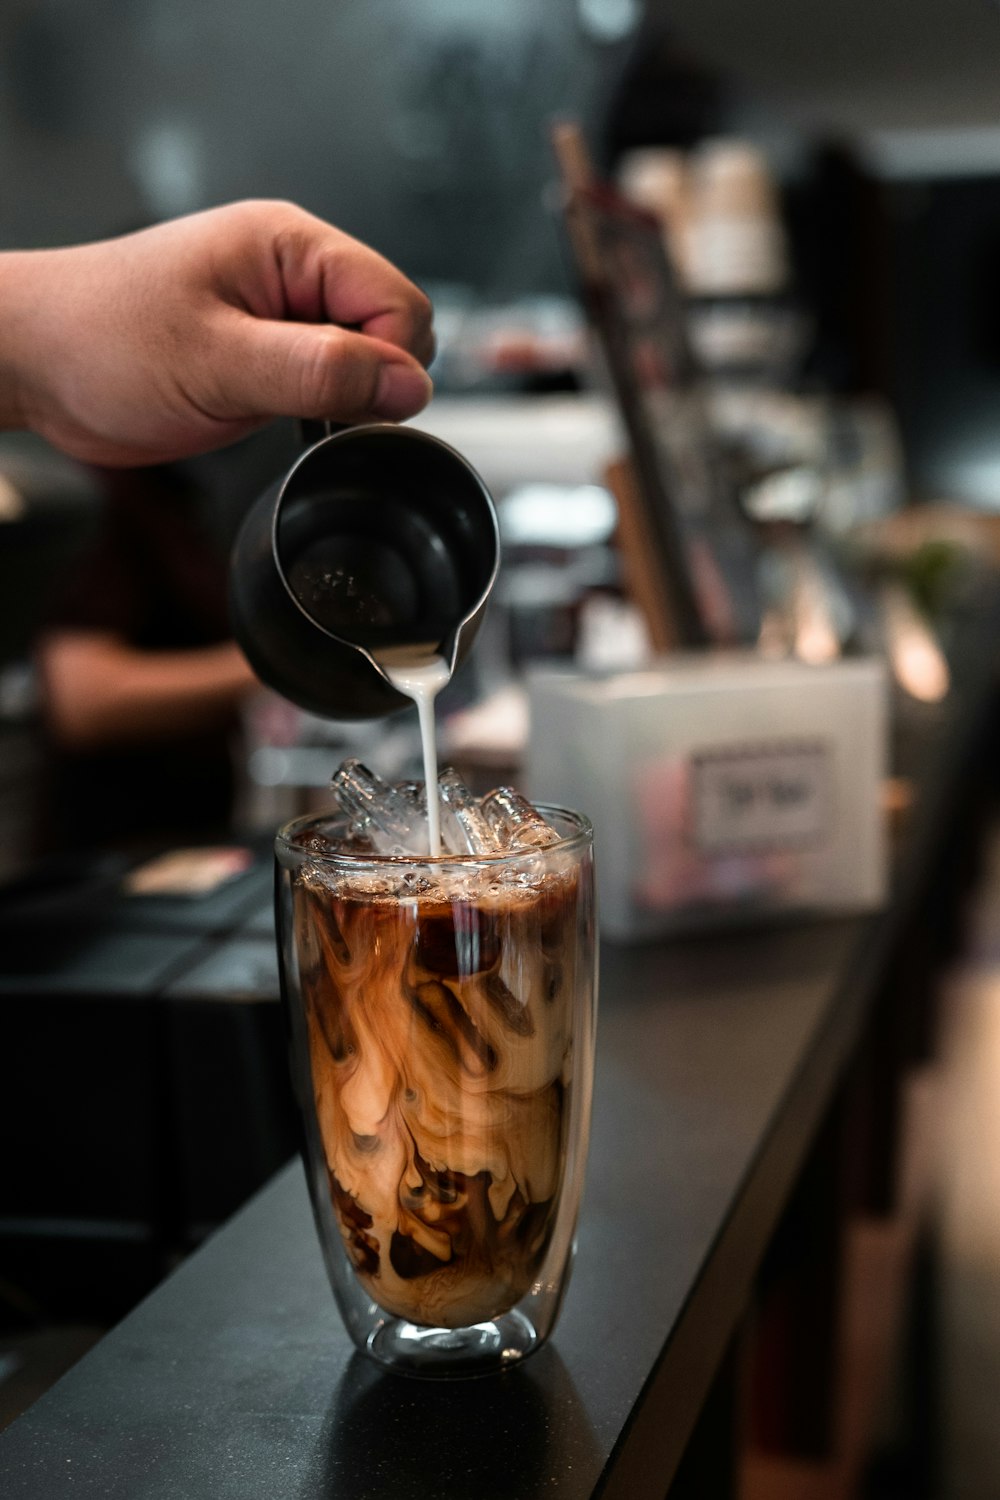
(288, 227)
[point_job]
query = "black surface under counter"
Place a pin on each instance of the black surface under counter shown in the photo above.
(235, 1379)
(231, 904)
(240, 968)
(74, 930)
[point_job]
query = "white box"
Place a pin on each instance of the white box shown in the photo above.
(722, 787)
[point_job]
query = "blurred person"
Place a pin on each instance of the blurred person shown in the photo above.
(141, 684)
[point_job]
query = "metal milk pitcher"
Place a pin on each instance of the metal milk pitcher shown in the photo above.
(379, 536)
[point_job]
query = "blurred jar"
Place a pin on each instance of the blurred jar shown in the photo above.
(742, 321)
(725, 239)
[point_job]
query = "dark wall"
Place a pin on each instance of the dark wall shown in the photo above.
(946, 251)
(419, 127)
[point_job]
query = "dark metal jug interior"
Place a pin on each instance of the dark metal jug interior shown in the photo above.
(379, 536)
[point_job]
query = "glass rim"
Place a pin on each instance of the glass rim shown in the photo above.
(581, 837)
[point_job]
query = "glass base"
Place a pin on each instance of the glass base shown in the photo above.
(447, 1353)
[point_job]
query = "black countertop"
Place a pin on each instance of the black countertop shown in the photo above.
(236, 1379)
(717, 1060)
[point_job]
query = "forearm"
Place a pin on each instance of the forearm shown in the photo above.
(99, 691)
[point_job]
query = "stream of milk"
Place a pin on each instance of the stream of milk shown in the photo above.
(421, 672)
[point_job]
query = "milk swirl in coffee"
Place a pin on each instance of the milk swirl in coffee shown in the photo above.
(439, 1006)
(440, 1049)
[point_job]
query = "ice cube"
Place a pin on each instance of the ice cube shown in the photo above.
(463, 823)
(415, 791)
(390, 817)
(515, 823)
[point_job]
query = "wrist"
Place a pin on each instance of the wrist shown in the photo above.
(21, 290)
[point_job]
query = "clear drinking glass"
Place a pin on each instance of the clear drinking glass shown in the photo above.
(442, 1016)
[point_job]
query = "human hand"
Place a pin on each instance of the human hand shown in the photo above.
(187, 336)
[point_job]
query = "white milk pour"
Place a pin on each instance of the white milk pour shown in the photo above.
(420, 672)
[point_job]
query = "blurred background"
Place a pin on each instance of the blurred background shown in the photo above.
(426, 133)
(423, 132)
(849, 349)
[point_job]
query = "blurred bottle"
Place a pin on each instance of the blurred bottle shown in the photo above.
(725, 238)
(742, 320)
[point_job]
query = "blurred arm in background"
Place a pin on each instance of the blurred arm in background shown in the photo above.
(99, 690)
(141, 684)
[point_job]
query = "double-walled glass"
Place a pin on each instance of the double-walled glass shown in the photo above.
(442, 1017)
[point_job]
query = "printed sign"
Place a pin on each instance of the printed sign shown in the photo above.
(768, 796)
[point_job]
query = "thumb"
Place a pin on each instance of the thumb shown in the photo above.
(285, 369)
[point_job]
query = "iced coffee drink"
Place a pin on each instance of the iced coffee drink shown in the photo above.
(444, 1011)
